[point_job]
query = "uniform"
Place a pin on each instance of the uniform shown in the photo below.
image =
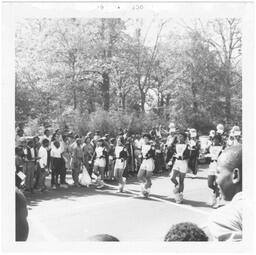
(181, 155)
(100, 164)
(121, 155)
(147, 167)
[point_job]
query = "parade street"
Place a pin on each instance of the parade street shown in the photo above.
(74, 214)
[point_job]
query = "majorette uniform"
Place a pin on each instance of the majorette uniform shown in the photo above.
(100, 164)
(148, 154)
(146, 169)
(181, 155)
(214, 152)
(100, 157)
(121, 155)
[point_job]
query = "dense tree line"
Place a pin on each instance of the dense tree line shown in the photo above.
(103, 73)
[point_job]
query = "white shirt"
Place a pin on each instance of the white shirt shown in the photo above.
(56, 152)
(42, 154)
(118, 149)
(145, 149)
(225, 224)
(99, 151)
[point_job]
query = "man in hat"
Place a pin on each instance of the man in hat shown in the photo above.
(225, 224)
(147, 166)
(170, 143)
(193, 147)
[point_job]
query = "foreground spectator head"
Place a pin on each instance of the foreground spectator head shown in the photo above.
(103, 238)
(22, 228)
(229, 172)
(185, 231)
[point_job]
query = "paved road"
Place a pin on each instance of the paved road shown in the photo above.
(73, 214)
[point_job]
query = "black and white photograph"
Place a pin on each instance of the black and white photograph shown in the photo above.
(129, 127)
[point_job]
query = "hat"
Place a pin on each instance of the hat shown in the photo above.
(236, 131)
(193, 132)
(100, 139)
(220, 128)
(212, 133)
(147, 135)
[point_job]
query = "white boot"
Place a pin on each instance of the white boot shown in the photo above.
(212, 200)
(176, 189)
(177, 198)
(181, 197)
(217, 203)
(100, 184)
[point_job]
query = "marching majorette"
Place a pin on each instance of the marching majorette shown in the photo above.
(193, 147)
(100, 162)
(214, 150)
(120, 157)
(147, 166)
(180, 166)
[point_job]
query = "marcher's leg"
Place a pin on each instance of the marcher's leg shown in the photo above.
(174, 176)
(148, 184)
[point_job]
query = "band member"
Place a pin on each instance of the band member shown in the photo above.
(180, 166)
(147, 166)
(120, 162)
(100, 162)
(193, 147)
(215, 150)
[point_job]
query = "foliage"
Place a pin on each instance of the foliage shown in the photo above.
(110, 73)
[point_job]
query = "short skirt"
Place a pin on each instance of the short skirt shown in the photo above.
(148, 165)
(181, 166)
(100, 162)
(119, 164)
(212, 168)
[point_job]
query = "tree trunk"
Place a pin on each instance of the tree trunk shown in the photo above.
(123, 98)
(74, 98)
(105, 91)
(142, 100)
(227, 94)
